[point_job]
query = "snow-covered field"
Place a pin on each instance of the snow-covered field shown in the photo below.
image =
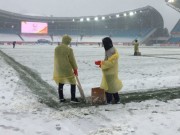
(21, 113)
(158, 70)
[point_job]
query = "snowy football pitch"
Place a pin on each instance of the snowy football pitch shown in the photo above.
(157, 68)
(21, 113)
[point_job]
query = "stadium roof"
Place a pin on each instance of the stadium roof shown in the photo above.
(78, 8)
(17, 16)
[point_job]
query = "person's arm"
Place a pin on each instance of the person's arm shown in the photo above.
(110, 62)
(72, 61)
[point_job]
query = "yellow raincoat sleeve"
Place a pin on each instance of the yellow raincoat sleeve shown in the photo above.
(72, 60)
(110, 62)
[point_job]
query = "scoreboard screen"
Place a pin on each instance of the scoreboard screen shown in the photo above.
(34, 27)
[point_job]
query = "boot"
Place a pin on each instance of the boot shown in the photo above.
(60, 91)
(108, 98)
(73, 94)
(116, 98)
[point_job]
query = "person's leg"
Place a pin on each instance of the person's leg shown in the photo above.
(73, 91)
(73, 94)
(60, 91)
(116, 98)
(108, 97)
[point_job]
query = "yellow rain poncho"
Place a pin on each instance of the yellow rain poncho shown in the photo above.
(110, 81)
(136, 47)
(64, 63)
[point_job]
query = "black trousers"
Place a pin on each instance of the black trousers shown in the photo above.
(73, 91)
(135, 53)
(109, 97)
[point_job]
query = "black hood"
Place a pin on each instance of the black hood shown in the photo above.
(107, 43)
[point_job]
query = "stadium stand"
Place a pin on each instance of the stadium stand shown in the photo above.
(176, 29)
(141, 24)
(174, 40)
(175, 34)
(175, 4)
(9, 38)
(34, 38)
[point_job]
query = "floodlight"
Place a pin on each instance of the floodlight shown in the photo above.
(125, 14)
(131, 13)
(170, 1)
(96, 18)
(73, 20)
(117, 15)
(88, 19)
(82, 19)
(103, 18)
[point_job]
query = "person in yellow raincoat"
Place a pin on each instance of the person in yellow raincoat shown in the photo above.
(65, 68)
(110, 81)
(136, 47)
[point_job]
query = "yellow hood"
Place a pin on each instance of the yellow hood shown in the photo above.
(66, 40)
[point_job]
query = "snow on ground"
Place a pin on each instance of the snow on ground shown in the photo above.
(160, 69)
(22, 114)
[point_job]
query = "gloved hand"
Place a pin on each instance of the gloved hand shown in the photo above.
(75, 72)
(98, 62)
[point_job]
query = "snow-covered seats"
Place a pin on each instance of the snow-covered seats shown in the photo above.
(10, 37)
(95, 38)
(35, 38)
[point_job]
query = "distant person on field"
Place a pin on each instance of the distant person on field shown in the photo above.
(65, 68)
(14, 44)
(136, 47)
(110, 81)
(99, 44)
